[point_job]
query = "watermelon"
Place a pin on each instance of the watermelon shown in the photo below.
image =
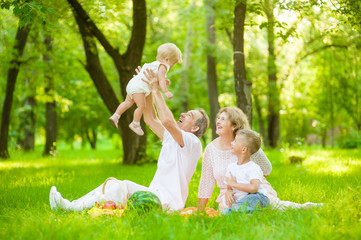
(144, 201)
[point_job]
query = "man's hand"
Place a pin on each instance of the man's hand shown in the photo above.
(137, 70)
(152, 80)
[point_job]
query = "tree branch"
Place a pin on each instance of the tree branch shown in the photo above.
(230, 37)
(84, 17)
(320, 49)
(289, 32)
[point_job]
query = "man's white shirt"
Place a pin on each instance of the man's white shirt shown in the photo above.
(176, 166)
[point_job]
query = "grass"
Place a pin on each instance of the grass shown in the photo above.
(328, 176)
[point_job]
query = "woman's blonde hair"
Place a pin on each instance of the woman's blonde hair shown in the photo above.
(237, 118)
(171, 51)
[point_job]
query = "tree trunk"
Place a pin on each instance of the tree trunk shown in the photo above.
(357, 109)
(133, 145)
(211, 66)
(50, 106)
(260, 119)
(324, 137)
(91, 135)
(242, 85)
(20, 41)
(329, 83)
(28, 117)
(273, 92)
(185, 69)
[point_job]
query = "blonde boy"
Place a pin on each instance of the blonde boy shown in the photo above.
(244, 177)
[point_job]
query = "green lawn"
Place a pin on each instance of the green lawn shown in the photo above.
(328, 176)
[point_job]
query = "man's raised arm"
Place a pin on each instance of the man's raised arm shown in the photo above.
(150, 116)
(164, 113)
(151, 119)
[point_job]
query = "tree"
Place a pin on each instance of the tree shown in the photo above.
(242, 85)
(185, 68)
(211, 66)
(28, 119)
(273, 92)
(133, 145)
(50, 106)
(15, 62)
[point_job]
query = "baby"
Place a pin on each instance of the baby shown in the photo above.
(168, 55)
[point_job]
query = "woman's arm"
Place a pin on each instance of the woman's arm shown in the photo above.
(202, 203)
(206, 184)
(229, 196)
(261, 160)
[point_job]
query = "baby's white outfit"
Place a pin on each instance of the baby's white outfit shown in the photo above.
(137, 85)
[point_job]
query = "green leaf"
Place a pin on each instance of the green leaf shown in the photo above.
(263, 25)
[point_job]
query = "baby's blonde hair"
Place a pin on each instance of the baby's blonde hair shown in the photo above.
(253, 139)
(171, 51)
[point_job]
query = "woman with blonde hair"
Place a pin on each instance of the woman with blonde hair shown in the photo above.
(217, 156)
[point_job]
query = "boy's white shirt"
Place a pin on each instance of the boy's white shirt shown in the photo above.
(244, 174)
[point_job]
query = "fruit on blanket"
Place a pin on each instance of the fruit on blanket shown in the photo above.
(144, 201)
(110, 205)
(98, 205)
(120, 206)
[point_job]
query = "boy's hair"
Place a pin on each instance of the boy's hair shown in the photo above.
(202, 123)
(253, 139)
(237, 118)
(170, 51)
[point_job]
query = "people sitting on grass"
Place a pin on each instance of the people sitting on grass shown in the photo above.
(217, 156)
(178, 159)
(244, 177)
(181, 149)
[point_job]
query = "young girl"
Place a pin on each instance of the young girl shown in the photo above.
(168, 55)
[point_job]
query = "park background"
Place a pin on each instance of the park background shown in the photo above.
(292, 66)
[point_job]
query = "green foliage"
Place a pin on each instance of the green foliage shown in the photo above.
(27, 10)
(352, 10)
(350, 141)
(312, 42)
(328, 176)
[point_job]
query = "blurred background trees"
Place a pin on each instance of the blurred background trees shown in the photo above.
(292, 66)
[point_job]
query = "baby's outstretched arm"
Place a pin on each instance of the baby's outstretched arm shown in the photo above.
(162, 81)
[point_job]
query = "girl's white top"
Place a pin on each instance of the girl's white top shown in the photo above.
(137, 85)
(214, 166)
